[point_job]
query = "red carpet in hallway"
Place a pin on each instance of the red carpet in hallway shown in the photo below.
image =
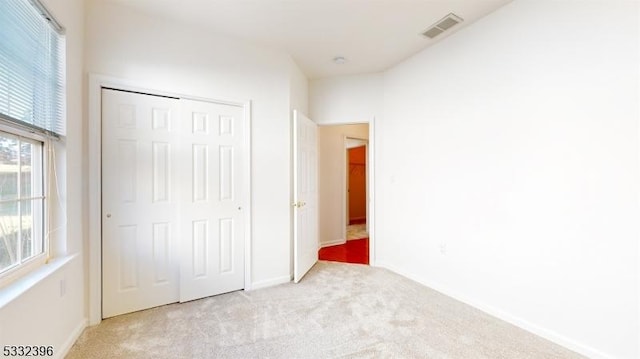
(354, 251)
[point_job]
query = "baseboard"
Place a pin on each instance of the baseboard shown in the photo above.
(63, 350)
(271, 282)
(519, 322)
(332, 243)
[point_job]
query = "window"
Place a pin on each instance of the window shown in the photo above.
(21, 200)
(32, 106)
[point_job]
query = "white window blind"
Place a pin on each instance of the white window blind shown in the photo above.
(31, 67)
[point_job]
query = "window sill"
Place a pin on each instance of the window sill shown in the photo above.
(22, 285)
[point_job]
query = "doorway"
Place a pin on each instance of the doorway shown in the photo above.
(344, 193)
(356, 188)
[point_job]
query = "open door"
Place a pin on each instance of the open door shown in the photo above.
(305, 186)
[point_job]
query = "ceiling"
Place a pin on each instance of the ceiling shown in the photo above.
(372, 35)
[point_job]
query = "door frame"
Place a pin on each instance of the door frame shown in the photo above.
(371, 213)
(345, 181)
(96, 83)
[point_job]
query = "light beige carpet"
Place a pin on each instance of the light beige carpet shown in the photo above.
(337, 311)
(357, 231)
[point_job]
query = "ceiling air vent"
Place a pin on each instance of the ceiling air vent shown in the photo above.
(443, 25)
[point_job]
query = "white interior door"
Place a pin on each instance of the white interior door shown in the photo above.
(212, 234)
(305, 173)
(139, 202)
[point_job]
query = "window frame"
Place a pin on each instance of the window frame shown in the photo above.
(48, 136)
(32, 263)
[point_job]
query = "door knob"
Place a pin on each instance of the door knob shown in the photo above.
(108, 215)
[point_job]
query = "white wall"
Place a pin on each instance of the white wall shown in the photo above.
(524, 198)
(43, 315)
(331, 179)
(298, 90)
(164, 55)
(346, 99)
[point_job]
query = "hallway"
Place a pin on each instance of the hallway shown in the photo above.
(354, 251)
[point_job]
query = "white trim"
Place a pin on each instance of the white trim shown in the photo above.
(23, 270)
(333, 243)
(271, 282)
(95, 198)
(371, 178)
(638, 201)
(499, 314)
(96, 83)
(20, 132)
(63, 350)
(20, 286)
(248, 213)
(345, 187)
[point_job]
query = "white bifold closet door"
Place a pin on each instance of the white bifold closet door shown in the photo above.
(212, 227)
(172, 196)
